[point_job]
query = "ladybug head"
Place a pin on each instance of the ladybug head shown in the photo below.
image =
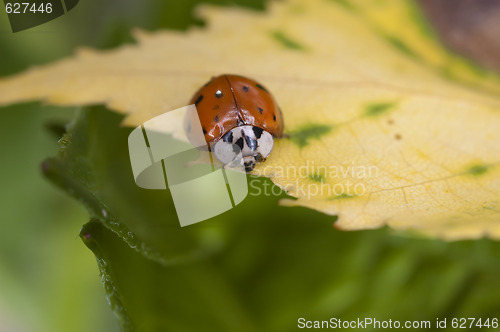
(254, 143)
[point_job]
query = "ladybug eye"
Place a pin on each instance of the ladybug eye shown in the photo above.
(218, 93)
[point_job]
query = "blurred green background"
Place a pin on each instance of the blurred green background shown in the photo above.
(277, 264)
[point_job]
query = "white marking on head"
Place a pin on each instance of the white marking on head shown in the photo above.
(254, 143)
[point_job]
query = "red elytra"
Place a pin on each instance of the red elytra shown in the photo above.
(230, 101)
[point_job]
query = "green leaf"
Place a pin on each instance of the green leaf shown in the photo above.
(93, 165)
(370, 99)
(259, 266)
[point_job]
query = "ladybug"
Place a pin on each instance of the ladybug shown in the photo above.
(238, 114)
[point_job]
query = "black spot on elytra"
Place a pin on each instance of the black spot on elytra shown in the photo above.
(204, 131)
(218, 94)
(274, 117)
(260, 110)
(228, 138)
(238, 145)
(216, 118)
(257, 131)
(245, 88)
(200, 97)
(261, 87)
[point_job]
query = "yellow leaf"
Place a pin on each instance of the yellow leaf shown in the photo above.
(384, 126)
